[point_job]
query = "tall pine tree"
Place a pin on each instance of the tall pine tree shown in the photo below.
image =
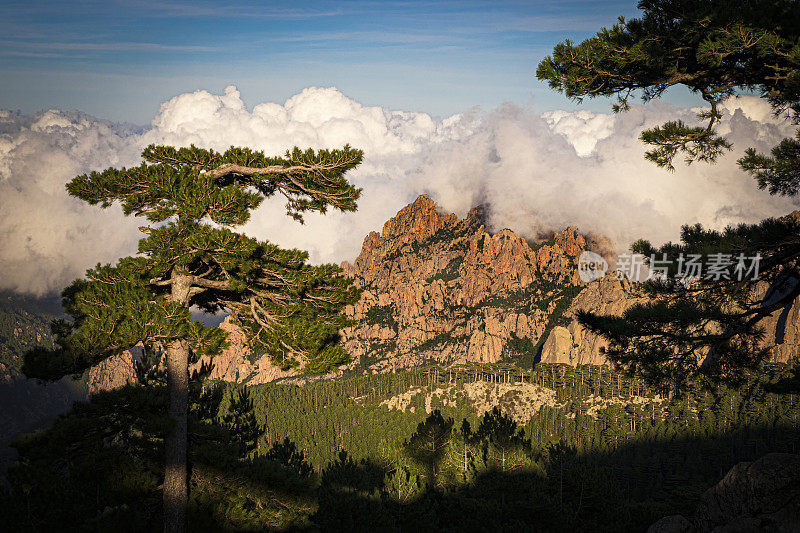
(191, 258)
(712, 328)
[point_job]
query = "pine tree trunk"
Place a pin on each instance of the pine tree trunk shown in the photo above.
(176, 489)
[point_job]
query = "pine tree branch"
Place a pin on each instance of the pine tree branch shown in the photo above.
(211, 284)
(231, 168)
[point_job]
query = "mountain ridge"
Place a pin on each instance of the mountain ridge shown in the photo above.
(445, 290)
(438, 288)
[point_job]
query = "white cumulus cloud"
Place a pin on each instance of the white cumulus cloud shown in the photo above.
(538, 173)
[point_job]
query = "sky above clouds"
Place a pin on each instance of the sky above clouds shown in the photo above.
(120, 59)
(441, 97)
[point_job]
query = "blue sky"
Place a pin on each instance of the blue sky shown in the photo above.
(120, 59)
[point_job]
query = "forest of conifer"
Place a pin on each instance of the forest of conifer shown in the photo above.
(609, 454)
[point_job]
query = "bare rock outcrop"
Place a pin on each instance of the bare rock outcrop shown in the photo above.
(115, 371)
(782, 332)
(237, 363)
(438, 288)
(762, 495)
(573, 345)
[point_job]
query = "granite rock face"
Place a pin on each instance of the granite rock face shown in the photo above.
(237, 363)
(762, 495)
(438, 288)
(610, 296)
(116, 371)
(782, 331)
(574, 345)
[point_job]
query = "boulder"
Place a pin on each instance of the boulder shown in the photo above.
(761, 495)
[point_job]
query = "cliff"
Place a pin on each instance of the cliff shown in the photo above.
(238, 363)
(438, 288)
(573, 345)
(116, 371)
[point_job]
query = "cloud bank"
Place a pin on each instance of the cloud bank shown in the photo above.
(538, 172)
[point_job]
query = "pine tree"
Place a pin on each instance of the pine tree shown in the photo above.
(240, 421)
(708, 329)
(287, 455)
(464, 447)
(560, 455)
(191, 257)
(429, 444)
(401, 485)
(504, 445)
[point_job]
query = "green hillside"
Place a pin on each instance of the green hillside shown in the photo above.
(412, 450)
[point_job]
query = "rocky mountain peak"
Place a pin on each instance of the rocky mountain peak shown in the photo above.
(416, 221)
(478, 216)
(440, 288)
(571, 241)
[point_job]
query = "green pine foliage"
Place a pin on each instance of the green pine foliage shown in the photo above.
(353, 419)
(715, 48)
(780, 174)
(193, 196)
(383, 315)
(100, 468)
(449, 273)
(428, 445)
(709, 329)
(240, 421)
